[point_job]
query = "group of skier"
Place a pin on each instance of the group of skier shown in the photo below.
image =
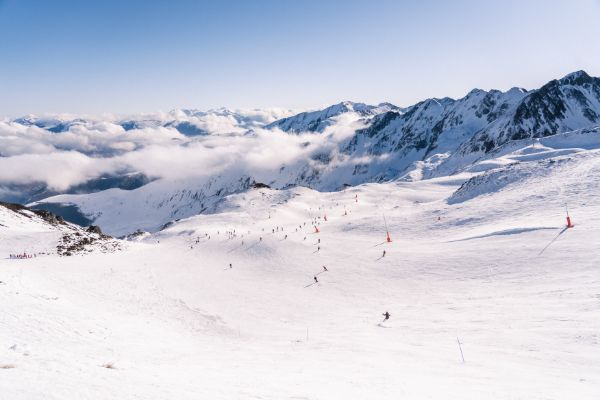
(22, 256)
(315, 222)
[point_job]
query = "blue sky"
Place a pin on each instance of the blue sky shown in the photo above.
(141, 56)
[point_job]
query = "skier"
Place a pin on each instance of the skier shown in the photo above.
(285, 237)
(386, 316)
(318, 248)
(318, 240)
(230, 266)
(383, 254)
(324, 269)
(316, 280)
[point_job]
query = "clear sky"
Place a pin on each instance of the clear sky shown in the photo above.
(119, 56)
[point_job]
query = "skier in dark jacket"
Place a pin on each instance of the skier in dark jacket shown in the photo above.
(316, 280)
(386, 316)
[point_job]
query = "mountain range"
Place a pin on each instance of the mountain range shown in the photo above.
(343, 145)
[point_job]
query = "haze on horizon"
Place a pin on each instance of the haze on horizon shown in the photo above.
(135, 56)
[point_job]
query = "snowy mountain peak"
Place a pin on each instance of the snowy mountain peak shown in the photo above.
(317, 121)
(576, 78)
(476, 92)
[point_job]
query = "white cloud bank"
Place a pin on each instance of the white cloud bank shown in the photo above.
(89, 149)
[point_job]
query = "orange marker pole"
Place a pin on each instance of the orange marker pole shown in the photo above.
(569, 224)
(387, 232)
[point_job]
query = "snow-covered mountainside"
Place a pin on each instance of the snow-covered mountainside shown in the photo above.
(567, 104)
(150, 207)
(26, 233)
(490, 295)
(184, 170)
(317, 121)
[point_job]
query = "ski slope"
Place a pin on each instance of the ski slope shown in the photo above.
(174, 321)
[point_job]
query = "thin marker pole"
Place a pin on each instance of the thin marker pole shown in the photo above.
(460, 348)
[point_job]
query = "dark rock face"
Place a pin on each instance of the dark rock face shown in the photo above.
(13, 206)
(94, 229)
(81, 243)
(50, 217)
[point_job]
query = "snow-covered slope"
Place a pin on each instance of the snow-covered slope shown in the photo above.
(490, 297)
(149, 208)
(27, 233)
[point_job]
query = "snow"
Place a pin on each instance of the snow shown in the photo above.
(27, 234)
(491, 296)
(175, 321)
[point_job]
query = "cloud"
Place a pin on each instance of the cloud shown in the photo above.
(59, 170)
(91, 148)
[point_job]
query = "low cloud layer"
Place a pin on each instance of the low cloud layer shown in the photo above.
(91, 148)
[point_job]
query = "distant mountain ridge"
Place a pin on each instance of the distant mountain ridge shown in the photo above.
(468, 128)
(349, 144)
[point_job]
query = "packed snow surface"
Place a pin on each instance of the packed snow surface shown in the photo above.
(492, 277)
